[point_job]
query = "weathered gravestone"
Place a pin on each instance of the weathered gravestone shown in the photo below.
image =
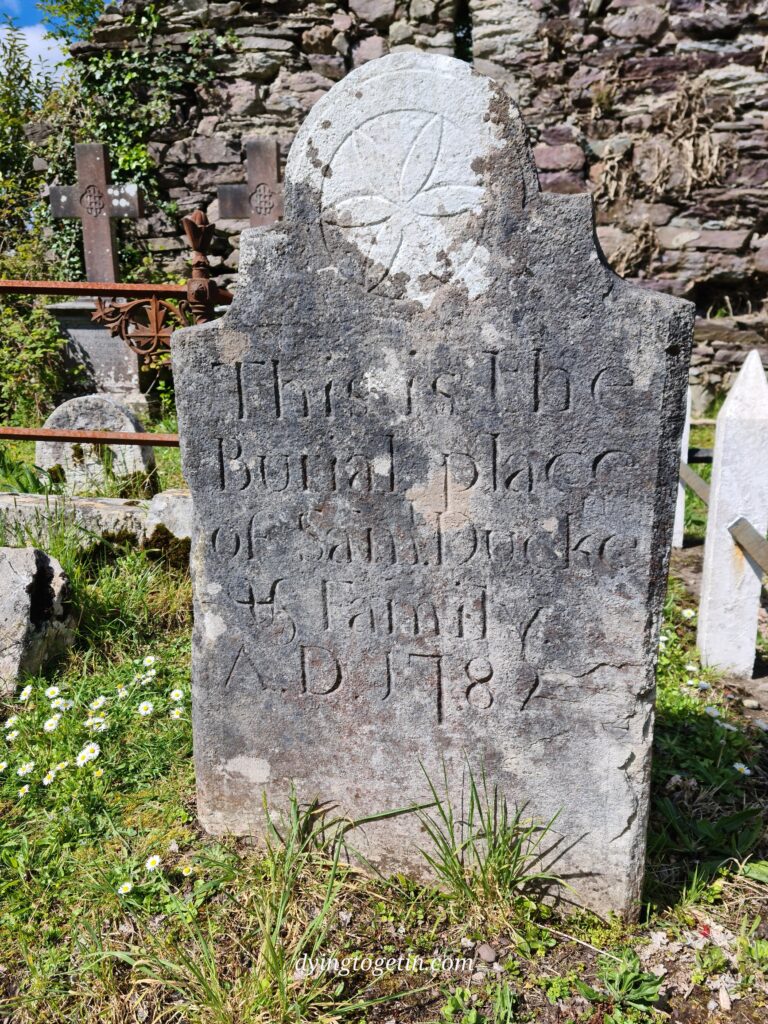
(433, 453)
(87, 466)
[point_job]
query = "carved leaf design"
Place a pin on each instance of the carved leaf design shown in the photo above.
(422, 158)
(446, 200)
(359, 212)
(375, 166)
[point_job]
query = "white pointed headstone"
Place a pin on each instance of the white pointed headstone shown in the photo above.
(678, 532)
(730, 588)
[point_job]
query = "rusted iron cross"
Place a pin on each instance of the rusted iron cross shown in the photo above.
(261, 199)
(96, 202)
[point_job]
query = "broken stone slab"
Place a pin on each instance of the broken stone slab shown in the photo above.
(433, 449)
(169, 513)
(91, 467)
(35, 623)
(93, 521)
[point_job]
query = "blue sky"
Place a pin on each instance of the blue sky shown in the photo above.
(23, 12)
(26, 14)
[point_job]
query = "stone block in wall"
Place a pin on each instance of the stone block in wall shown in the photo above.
(375, 12)
(331, 67)
(367, 49)
(563, 182)
(567, 157)
(215, 149)
(243, 98)
(318, 39)
(256, 66)
(642, 22)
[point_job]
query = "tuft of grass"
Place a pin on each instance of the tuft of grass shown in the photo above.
(489, 855)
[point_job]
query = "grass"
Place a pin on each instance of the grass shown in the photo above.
(19, 473)
(223, 932)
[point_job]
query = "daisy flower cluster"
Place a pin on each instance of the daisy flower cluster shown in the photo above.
(153, 866)
(49, 729)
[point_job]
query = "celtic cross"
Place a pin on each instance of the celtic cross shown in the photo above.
(261, 199)
(96, 202)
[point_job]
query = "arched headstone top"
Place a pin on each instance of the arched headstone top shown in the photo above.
(396, 166)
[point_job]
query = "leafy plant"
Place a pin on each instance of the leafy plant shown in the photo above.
(709, 961)
(459, 1008)
(624, 983)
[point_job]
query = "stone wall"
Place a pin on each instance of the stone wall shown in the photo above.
(659, 109)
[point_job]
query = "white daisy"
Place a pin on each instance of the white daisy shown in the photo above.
(25, 769)
(52, 691)
(124, 888)
(25, 694)
(153, 862)
(176, 694)
(23, 790)
(48, 778)
(149, 661)
(145, 708)
(12, 735)
(98, 702)
(10, 722)
(176, 713)
(742, 769)
(51, 723)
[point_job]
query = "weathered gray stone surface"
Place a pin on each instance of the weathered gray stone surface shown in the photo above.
(94, 466)
(433, 451)
(35, 624)
(170, 513)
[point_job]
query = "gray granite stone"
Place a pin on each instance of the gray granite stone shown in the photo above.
(91, 467)
(35, 624)
(432, 449)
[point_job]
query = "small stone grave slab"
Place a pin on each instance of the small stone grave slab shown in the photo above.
(95, 467)
(433, 451)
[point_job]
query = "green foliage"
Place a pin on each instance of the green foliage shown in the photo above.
(23, 90)
(623, 982)
(70, 20)
(21, 478)
(459, 1008)
(31, 360)
(709, 961)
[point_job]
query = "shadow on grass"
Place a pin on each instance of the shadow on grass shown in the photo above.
(710, 773)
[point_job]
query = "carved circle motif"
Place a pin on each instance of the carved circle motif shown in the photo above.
(400, 190)
(92, 201)
(262, 200)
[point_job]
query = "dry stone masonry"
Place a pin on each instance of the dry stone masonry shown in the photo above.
(658, 108)
(433, 451)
